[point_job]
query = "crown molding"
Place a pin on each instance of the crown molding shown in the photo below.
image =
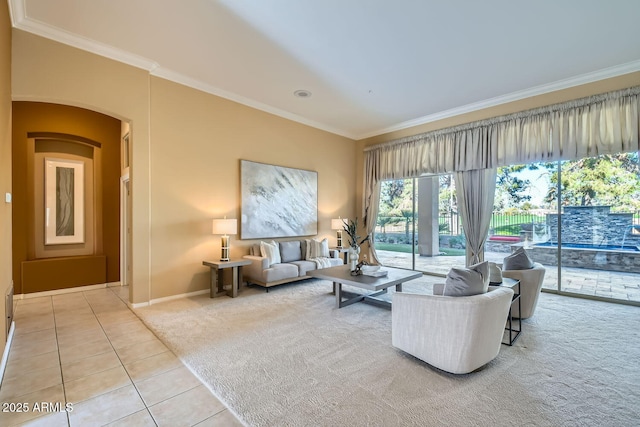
(618, 70)
(21, 21)
(210, 89)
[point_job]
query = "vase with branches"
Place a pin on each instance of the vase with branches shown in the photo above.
(351, 228)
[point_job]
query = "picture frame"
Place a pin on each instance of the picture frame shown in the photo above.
(64, 201)
(277, 201)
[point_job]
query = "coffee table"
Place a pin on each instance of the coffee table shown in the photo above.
(341, 275)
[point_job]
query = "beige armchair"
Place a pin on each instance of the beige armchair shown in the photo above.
(530, 285)
(455, 334)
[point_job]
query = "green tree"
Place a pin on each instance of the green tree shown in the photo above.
(511, 190)
(609, 180)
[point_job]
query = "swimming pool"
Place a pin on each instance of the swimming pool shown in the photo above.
(582, 255)
(628, 248)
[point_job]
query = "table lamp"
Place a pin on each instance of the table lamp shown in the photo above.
(225, 227)
(338, 225)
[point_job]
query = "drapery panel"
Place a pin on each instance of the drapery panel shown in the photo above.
(591, 126)
(475, 190)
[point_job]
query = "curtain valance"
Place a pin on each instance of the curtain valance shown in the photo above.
(598, 124)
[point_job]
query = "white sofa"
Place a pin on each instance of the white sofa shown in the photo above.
(293, 267)
(455, 334)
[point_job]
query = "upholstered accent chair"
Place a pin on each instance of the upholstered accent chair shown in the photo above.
(530, 285)
(455, 334)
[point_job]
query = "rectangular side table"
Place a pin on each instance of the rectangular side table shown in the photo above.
(510, 329)
(343, 250)
(217, 269)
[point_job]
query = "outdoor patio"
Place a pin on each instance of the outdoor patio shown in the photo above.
(607, 284)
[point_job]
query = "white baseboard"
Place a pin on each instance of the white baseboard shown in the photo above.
(61, 291)
(113, 284)
(138, 305)
(172, 297)
(5, 354)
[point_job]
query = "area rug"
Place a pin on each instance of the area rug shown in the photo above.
(290, 358)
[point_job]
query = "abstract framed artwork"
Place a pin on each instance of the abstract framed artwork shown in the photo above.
(64, 201)
(277, 201)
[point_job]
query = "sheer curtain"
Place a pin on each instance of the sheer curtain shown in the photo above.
(475, 191)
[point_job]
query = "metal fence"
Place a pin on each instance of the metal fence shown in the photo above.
(502, 223)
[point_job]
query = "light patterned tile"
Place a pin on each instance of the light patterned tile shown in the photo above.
(29, 382)
(22, 338)
(33, 348)
(188, 408)
(117, 329)
(54, 394)
(138, 351)
(82, 351)
(96, 384)
(139, 419)
(89, 365)
(125, 340)
(19, 365)
(164, 386)
(154, 365)
(86, 337)
(49, 419)
(106, 408)
(120, 316)
(221, 419)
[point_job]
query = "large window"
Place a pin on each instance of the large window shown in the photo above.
(418, 225)
(580, 219)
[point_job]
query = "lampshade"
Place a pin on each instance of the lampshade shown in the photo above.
(224, 226)
(338, 224)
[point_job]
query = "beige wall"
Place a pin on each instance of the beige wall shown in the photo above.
(198, 141)
(186, 147)
(5, 163)
(102, 180)
(47, 71)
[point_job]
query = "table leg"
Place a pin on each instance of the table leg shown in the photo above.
(334, 288)
(338, 291)
(234, 285)
(399, 287)
(214, 282)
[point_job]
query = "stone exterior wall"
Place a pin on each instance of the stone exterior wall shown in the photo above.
(594, 225)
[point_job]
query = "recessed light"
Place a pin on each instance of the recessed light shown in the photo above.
(302, 93)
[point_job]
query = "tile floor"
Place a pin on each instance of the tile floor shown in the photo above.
(89, 351)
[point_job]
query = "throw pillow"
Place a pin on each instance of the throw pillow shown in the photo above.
(518, 260)
(495, 274)
(271, 252)
(473, 280)
(290, 251)
(317, 248)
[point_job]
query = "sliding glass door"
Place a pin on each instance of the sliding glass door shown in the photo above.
(418, 225)
(599, 226)
(580, 219)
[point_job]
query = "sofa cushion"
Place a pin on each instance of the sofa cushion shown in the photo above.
(271, 251)
(255, 250)
(304, 267)
(473, 280)
(317, 248)
(518, 260)
(280, 272)
(290, 251)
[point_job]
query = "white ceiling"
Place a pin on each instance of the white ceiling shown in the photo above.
(372, 65)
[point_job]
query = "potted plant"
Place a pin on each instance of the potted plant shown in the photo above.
(351, 228)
